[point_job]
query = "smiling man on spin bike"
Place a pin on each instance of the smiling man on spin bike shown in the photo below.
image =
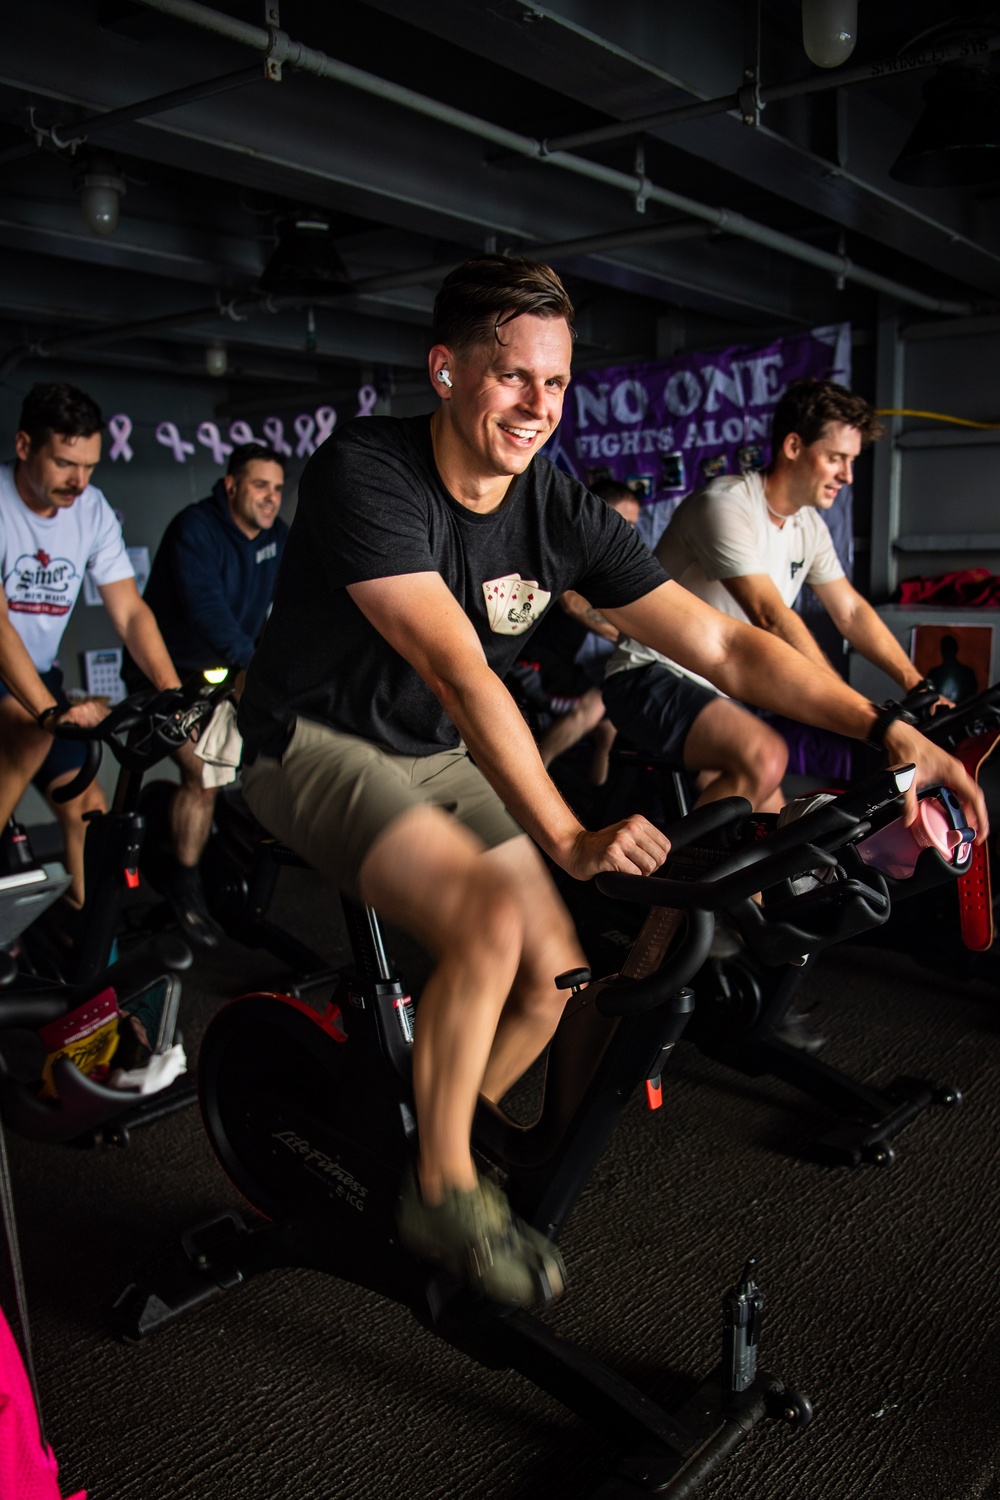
(382, 745)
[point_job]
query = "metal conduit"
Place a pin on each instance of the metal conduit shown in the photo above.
(593, 244)
(242, 306)
(141, 110)
(843, 78)
(279, 47)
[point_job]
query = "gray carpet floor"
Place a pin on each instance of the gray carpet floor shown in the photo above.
(883, 1288)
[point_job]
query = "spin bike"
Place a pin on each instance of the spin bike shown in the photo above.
(311, 1115)
(745, 996)
(742, 1004)
(140, 731)
(45, 982)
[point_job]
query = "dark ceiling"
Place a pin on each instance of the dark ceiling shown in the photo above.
(435, 134)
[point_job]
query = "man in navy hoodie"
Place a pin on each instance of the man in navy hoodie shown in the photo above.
(210, 589)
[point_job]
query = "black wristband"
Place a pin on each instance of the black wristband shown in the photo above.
(885, 714)
(46, 714)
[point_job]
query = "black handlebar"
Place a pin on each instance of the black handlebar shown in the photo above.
(142, 729)
(978, 714)
(83, 777)
(747, 854)
(919, 699)
(719, 890)
(728, 812)
(802, 846)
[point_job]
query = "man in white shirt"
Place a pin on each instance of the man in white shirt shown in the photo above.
(746, 544)
(54, 526)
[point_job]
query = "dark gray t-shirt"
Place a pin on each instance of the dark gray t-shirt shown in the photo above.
(372, 505)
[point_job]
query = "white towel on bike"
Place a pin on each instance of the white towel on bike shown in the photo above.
(158, 1073)
(220, 746)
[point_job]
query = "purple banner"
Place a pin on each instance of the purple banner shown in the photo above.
(668, 426)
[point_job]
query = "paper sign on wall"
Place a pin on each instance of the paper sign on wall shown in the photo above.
(138, 557)
(102, 673)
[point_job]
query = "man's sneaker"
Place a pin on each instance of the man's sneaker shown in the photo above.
(475, 1236)
(186, 894)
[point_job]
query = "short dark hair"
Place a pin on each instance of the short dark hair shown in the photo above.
(479, 297)
(246, 453)
(56, 407)
(808, 406)
(612, 490)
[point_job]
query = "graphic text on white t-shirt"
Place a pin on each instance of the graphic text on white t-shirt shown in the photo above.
(39, 584)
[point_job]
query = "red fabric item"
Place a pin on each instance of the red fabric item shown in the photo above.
(27, 1471)
(973, 588)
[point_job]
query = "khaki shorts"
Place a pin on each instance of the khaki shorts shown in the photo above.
(331, 795)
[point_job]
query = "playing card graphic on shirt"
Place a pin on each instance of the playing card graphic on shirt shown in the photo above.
(496, 592)
(513, 603)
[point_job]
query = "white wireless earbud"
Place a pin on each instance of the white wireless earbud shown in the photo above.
(444, 377)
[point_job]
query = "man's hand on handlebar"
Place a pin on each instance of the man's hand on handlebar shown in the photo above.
(85, 715)
(632, 847)
(924, 700)
(935, 767)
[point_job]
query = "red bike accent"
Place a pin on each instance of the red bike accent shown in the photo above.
(975, 902)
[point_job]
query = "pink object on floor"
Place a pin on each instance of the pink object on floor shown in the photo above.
(27, 1470)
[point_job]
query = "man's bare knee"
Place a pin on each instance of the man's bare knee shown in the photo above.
(550, 943)
(192, 768)
(746, 752)
(426, 873)
(23, 746)
(766, 759)
(488, 916)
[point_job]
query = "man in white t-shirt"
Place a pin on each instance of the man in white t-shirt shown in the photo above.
(54, 527)
(746, 544)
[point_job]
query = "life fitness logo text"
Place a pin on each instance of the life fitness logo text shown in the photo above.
(41, 585)
(338, 1180)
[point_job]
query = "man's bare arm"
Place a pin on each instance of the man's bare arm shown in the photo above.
(580, 609)
(757, 667)
(136, 624)
(758, 597)
(448, 656)
(17, 671)
(861, 626)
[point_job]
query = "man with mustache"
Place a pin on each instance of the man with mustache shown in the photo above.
(55, 526)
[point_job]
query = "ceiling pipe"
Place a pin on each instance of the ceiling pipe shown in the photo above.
(239, 308)
(816, 84)
(142, 110)
(620, 239)
(278, 47)
(70, 342)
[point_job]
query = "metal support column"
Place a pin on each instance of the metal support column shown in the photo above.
(886, 492)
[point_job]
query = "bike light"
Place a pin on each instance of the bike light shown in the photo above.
(904, 777)
(215, 675)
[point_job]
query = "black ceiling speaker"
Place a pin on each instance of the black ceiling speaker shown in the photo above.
(956, 141)
(305, 262)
